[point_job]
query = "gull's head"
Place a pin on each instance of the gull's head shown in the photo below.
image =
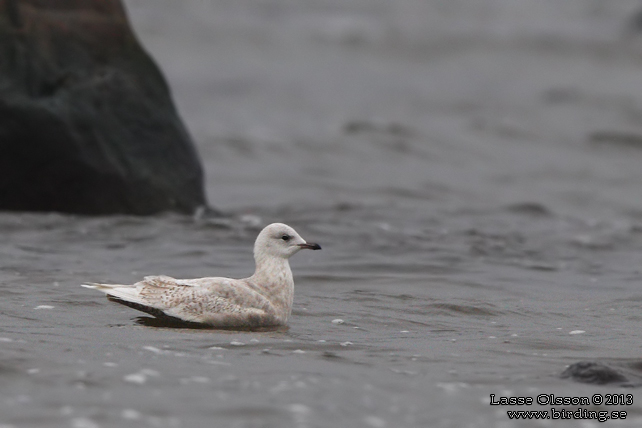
(280, 240)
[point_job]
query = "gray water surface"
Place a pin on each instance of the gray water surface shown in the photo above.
(471, 169)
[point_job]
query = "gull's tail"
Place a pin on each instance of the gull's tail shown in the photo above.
(129, 293)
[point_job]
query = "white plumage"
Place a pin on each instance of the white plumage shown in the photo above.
(264, 299)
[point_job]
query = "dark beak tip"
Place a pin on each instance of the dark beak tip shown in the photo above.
(311, 246)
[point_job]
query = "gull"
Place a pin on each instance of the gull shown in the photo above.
(262, 300)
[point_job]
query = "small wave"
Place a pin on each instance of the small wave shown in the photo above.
(530, 208)
(453, 309)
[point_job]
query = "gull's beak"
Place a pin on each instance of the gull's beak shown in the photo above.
(310, 246)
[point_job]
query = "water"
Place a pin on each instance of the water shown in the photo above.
(470, 169)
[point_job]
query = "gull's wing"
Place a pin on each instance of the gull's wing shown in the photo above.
(222, 302)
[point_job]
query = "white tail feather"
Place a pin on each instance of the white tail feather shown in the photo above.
(124, 292)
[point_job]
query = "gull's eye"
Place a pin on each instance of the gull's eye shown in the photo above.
(286, 237)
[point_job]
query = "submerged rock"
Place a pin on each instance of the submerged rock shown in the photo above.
(600, 374)
(87, 124)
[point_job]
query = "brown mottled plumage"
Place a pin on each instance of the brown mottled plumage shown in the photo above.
(264, 299)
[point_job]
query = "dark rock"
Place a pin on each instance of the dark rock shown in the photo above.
(597, 373)
(87, 124)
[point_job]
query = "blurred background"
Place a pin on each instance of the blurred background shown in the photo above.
(490, 102)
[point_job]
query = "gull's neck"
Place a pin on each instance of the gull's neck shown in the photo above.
(271, 270)
(274, 279)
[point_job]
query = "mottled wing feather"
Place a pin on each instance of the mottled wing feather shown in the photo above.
(161, 281)
(207, 300)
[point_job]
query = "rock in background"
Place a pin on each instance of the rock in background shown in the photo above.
(87, 124)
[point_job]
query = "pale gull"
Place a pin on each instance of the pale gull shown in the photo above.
(264, 299)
